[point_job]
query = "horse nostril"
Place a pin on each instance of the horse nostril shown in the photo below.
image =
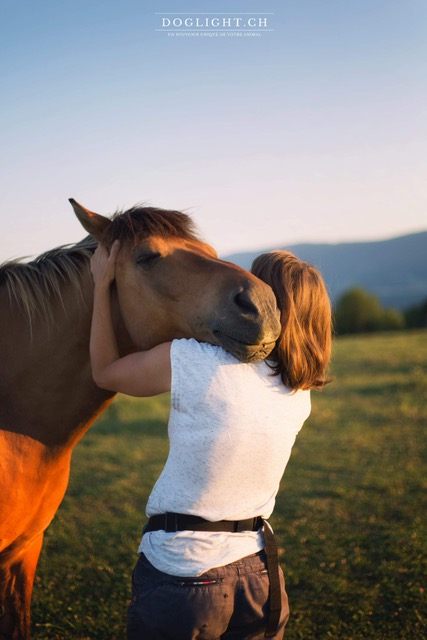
(244, 303)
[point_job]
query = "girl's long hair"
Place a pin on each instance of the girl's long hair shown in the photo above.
(303, 350)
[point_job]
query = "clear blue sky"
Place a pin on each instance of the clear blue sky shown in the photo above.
(314, 131)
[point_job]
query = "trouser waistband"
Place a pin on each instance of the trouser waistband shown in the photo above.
(173, 522)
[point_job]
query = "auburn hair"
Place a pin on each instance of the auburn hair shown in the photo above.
(303, 350)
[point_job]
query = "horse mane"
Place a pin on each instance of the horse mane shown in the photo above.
(141, 222)
(35, 284)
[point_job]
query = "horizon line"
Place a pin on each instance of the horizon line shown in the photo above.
(325, 243)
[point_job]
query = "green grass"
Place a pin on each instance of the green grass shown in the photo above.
(348, 517)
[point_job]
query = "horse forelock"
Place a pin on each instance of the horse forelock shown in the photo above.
(35, 285)
(139, 222)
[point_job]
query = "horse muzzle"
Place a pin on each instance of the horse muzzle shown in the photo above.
(241, 350)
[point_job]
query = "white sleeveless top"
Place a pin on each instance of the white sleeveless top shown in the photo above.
(231, 429)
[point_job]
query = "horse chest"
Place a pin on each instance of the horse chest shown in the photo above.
(32, 486)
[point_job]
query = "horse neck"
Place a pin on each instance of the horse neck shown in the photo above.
(46, 390)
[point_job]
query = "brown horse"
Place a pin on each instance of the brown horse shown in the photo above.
(169, 284)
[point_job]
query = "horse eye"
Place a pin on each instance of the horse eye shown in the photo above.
(147, 260)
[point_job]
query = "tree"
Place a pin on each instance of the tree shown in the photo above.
(392, 320)
(416, 316)
(358, 311)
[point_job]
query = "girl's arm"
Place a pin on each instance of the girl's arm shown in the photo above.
(145, 373)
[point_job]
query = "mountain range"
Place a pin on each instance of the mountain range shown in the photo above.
(394, 270)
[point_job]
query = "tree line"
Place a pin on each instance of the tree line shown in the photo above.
(358, 311)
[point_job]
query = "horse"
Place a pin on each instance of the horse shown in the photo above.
(169, 284)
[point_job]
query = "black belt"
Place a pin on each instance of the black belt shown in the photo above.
(172, 522)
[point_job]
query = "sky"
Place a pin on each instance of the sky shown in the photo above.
(309, 127)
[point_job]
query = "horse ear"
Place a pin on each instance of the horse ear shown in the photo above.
(94, 223)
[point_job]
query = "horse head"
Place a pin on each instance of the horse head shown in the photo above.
(170, 284)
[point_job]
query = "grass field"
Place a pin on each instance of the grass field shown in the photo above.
(350, 517)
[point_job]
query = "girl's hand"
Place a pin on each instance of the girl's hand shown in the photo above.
(103, 264)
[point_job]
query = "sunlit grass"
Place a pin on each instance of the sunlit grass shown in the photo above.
(348, 518)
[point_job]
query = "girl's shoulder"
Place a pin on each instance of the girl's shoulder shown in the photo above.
(191, 348)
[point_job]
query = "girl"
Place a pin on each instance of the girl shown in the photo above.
(208, 566)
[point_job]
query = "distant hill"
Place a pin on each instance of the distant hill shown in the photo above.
(394, 270)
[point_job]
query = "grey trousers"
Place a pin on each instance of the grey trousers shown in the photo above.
(229, 603)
